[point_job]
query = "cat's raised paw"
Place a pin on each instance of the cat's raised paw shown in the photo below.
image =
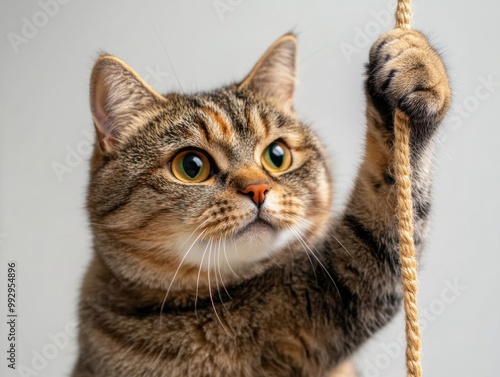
(404, 71)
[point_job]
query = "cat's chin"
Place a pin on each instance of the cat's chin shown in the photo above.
(258, 229)
(254, 242)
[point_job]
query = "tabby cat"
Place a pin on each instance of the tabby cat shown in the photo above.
(215, 249)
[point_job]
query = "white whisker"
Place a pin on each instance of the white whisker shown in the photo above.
(327, 231)
(198, 227)
(210, 290)
(220, 274)
(227, 261)
(199, 272)
(307, 253)
(303, 241)
(176, 272)
(235, 247)
(271, 257)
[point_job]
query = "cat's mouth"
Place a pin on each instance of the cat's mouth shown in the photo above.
(255, 228)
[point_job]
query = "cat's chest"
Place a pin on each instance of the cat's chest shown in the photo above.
(206, 342)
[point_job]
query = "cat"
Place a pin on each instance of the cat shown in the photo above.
(216, 252)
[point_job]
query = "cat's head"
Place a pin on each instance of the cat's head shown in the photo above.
(225, 179)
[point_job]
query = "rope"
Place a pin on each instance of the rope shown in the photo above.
(406, 244)
(403, 14)
(405, 216)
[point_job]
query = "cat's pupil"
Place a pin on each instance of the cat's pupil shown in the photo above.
(192, 165)
(276, 155)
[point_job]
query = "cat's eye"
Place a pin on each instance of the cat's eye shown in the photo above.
(277, 157)
(191, 166)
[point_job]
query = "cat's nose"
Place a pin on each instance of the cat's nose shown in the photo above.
(257, 192)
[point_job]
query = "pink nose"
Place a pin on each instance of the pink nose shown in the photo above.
(257, 192)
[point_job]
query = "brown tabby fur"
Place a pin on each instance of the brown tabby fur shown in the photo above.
(268, 301)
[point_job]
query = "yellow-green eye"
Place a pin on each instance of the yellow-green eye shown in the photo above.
(191, 166)
(277, 157)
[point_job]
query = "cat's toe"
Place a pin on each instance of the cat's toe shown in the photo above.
(406, 72)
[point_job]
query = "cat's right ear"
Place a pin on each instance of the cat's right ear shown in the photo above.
(117, 96)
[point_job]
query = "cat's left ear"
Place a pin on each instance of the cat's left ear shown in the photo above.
(118, 97)
(274, 75)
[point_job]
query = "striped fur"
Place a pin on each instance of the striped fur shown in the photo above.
(181, 282)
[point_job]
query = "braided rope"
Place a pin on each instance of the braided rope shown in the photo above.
(403, 14)
(406, 244)
(405, 216)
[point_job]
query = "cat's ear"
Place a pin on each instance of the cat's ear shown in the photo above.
(274, 74)
(117, 96)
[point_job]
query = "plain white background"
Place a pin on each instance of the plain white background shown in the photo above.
(46, 127)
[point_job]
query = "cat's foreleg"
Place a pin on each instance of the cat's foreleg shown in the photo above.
(404, 72)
